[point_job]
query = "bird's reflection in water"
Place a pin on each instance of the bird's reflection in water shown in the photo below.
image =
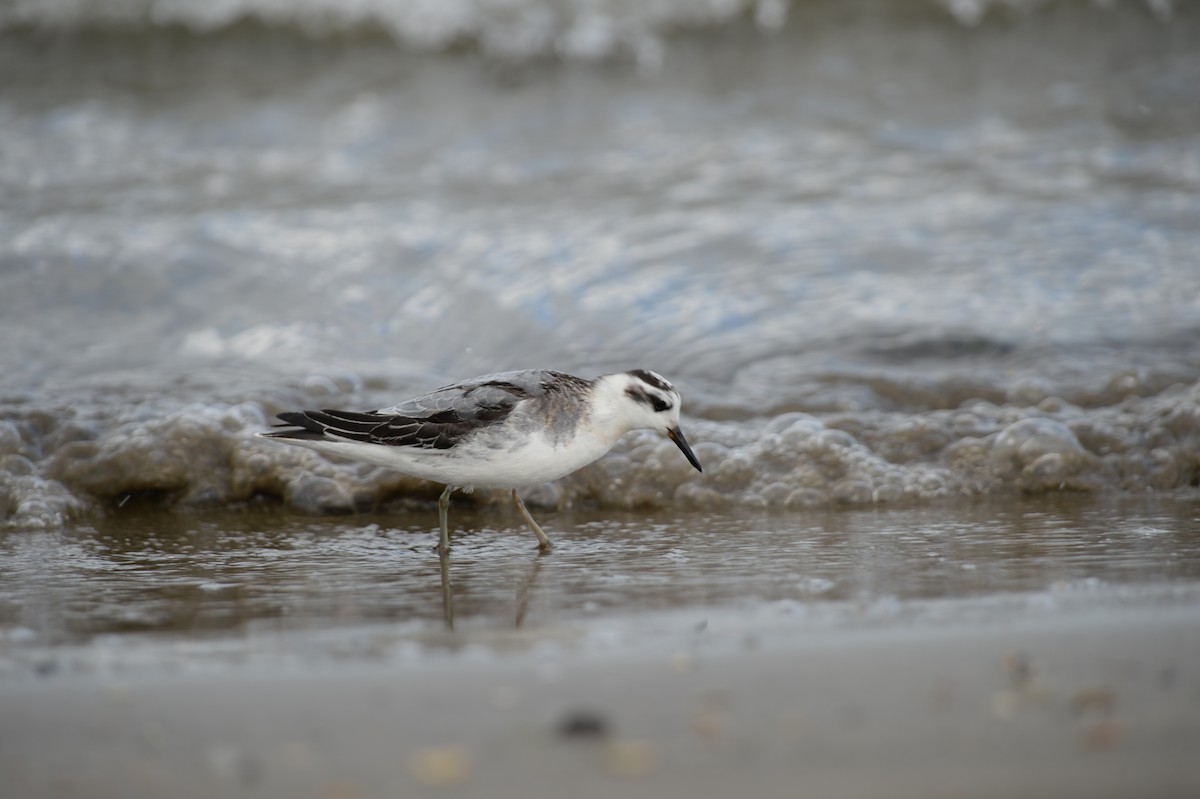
(524, 591)
(447, 589)
(526, 588)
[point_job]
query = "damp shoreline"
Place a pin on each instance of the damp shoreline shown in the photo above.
(1099, 698)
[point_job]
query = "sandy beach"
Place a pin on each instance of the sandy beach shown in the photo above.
(1022, 698)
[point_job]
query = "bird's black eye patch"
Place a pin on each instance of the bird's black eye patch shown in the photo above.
(657, 403)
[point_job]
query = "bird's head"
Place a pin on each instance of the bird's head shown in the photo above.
(646, 399)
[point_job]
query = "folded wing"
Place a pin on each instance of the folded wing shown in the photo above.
(437, 420)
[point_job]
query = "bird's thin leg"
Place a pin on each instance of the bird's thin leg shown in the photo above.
(443, 514)
(543, 541)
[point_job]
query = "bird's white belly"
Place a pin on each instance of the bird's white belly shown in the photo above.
(475, 464)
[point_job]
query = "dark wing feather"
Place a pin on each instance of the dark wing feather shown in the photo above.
(437, 420)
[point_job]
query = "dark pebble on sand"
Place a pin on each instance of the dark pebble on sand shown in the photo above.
(583, 725)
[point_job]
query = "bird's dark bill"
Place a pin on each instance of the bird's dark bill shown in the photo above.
(676, 435)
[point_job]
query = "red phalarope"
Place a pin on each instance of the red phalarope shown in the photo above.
(508, 430)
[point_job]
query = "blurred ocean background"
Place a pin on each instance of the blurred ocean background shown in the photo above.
(894, 253)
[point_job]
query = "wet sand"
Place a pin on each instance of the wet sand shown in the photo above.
(1018, 698)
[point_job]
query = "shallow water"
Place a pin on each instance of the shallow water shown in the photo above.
(258, 573)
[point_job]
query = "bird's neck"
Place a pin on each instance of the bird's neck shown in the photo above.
(607, 417)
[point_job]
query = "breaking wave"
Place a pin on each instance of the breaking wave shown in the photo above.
(569, 29)
(55, 466)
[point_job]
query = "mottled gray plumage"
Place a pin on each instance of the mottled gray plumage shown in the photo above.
(443, 417)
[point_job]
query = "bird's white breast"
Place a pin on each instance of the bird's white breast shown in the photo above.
(482, 462)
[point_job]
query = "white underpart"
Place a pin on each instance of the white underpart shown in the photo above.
(531, 461)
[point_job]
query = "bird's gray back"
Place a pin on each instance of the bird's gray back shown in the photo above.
(490, 395)
(445, 417)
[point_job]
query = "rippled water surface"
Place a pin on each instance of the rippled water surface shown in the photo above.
(261, 571)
